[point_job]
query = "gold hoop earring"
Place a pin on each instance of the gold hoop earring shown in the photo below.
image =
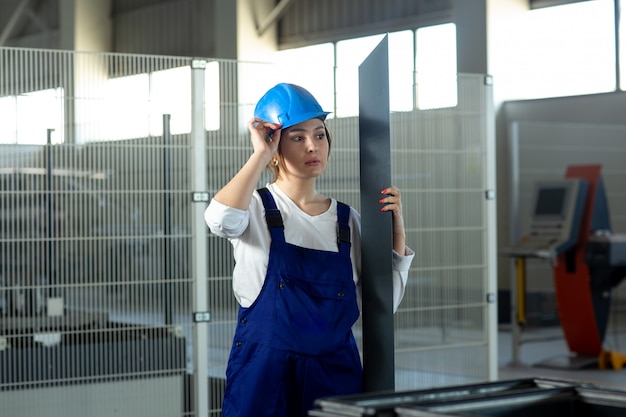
(275, 162)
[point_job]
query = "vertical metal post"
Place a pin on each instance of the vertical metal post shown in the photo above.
(491, 227)
(618, 67)
(199, 236)
(514, 231)
(376, 232)
(50, 211)
(167, 218)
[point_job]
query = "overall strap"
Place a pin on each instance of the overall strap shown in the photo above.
(343, 227)
(272, 215)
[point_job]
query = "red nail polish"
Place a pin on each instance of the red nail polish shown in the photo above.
(382, 200)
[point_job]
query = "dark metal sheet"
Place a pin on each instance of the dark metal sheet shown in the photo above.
(573, 401)
(375, 168)
(382, 404)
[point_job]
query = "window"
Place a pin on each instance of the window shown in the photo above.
(212, 96)
(559, 51)
(351, 53)
(170, 93)
(436, 69)
(33, 115)
(401, 71)
(136, 104)
(311, 67)
(127, 107)
(8, 128)
(436, 66)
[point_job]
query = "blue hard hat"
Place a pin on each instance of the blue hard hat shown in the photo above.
(288, 105)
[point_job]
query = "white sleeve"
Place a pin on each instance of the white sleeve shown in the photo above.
(400, 266)
(226, 221)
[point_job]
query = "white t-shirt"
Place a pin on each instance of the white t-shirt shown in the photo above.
(250, 237)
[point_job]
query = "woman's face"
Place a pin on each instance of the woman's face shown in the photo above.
(304, 149)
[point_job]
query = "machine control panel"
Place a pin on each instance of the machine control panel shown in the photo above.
(554, 221)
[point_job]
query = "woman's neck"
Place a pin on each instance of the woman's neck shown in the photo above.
(304, 195)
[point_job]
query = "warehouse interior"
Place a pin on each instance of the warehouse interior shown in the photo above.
(120, 118)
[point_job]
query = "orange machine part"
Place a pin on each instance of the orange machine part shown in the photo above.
(573, 289)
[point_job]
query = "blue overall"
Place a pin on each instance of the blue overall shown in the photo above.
(294, 344)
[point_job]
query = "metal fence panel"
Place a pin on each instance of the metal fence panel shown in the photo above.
(97, 237)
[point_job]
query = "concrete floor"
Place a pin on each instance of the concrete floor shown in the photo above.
(538, 345)
(542, 348)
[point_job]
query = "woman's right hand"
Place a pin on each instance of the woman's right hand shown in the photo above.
(237, 193)
(265, 136)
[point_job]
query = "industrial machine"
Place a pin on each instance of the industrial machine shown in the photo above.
(570, 226)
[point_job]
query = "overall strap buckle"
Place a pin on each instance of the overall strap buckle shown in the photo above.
(272, 214)
(343, 228)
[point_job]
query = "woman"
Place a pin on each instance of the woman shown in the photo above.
(297, 267)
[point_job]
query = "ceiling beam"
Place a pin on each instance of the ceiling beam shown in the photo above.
(37, 20)
(277, 12)
(13, 20)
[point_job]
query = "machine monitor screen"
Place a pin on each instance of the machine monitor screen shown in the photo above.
(551, 202)
(554, 219)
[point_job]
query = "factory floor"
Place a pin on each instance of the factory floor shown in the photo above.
(543, 352)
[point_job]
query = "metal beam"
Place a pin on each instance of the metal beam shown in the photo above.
(15, 17)
(376, 232)
(37, 20)
(277, 12)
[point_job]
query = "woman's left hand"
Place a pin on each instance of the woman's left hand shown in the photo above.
(393, 203)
